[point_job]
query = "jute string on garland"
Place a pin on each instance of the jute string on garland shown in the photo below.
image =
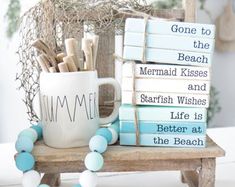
(146, 17)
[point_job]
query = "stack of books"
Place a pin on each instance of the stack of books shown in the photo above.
(172, 88)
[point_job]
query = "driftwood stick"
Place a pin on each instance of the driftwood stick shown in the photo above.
(41, 46)
(71, 45)
(70, 63)
(63, 67)
(95, 42)
(190, 8)
(52, 70)
(87, 48)
(46, 60)
(43, 63)
(59, 57)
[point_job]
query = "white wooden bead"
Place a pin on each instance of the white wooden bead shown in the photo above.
(35, 133)
(31, 133)
(88, 179)
(114, 136)
(31, 179)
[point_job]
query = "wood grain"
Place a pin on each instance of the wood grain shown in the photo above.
(63, 67)
(44, 153)
(190, 177)
(71, 45)
(45, 49)
(105, 64)
(59, 57)
(70, 63)
(196, 165)
(190, 10)
(51, 179)
(176, 14)
(207, 173)
(120, 166)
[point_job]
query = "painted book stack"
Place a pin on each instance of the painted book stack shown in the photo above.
(171, 90)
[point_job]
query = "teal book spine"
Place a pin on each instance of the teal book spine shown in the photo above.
(163, 140)
(154, 127)
(162, 113)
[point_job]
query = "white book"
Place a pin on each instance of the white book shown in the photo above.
(166, 99)
(158, 26)
(168, 56)
(166, 85)
(166, 71)
(204, 45)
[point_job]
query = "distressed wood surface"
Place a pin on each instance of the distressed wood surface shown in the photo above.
(190, 10)
(121, 166)
(207, 173)
(51, 179)
(44, 153)
(106, 67)
(175, 14)
(190, 177)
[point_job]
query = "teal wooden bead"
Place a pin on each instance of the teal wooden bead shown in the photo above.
(24, 161)
(77, 185)
(31, 133)
(94, 161)
(24, 143)
(105, 132)
(98, 143)
(43, 185)
(116, 122)
(38, 129)
(40, 124)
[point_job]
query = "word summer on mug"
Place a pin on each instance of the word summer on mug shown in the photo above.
(70, 108)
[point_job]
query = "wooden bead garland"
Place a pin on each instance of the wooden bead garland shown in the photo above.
(93, 161)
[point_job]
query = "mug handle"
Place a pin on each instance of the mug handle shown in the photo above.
(117, 100)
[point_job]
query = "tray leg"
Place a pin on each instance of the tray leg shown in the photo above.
(182, 177)
(52, 179)
(190, 177)
(207, 173)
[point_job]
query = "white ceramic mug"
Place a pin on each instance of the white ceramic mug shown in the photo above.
(70, 108)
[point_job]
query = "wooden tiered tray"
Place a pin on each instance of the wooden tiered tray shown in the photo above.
(197, 166)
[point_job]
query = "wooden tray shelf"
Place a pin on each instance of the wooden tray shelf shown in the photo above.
(196, 165)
